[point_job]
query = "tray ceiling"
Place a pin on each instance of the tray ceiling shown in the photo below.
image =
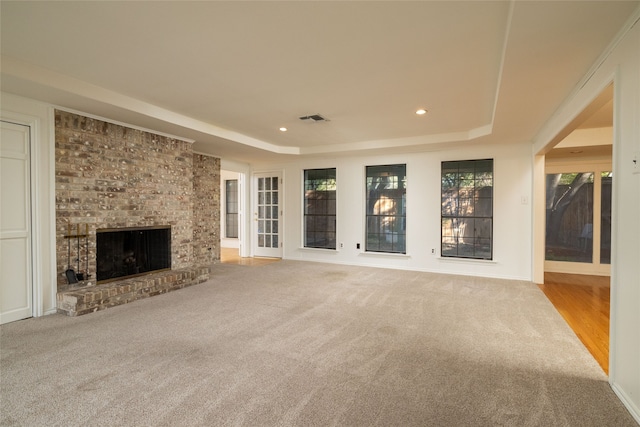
(230, 74)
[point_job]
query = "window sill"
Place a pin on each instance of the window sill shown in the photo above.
(467, 260)
(321, 250)
(383, 255)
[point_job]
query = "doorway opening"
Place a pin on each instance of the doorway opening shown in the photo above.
(578, 183)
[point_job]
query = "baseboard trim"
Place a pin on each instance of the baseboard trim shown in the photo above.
(627, 402)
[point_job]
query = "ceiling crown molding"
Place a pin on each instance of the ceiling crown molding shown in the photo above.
(49, 80)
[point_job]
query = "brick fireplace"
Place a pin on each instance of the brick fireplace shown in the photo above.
(110, 176)
(127, 252)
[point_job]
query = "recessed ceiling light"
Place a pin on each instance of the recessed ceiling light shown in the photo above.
(421, 111)
(283, 129)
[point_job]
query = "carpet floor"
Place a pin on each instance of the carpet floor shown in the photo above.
(309, 344)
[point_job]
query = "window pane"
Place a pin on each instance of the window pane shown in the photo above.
(569, 202)
(320, 208)
(449, 249)
(231, 208)
(482, 228)
(605, 218)
(467, 209)
(386, 208)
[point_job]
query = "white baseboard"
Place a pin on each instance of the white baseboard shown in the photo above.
(627, 402)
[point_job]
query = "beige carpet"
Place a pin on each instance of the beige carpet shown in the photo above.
(293, 343)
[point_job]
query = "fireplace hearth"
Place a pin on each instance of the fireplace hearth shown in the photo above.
(129, 252)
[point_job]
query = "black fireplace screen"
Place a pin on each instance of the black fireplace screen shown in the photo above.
(132, 251)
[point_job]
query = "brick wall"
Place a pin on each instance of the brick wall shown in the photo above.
(206, 209)
(111, 176)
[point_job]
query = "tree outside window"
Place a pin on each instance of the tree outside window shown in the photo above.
(467, 209)
(386, 208)
(320, 208)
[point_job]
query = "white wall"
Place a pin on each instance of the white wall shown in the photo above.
(40, 116)
(622, 66)
(512, 217)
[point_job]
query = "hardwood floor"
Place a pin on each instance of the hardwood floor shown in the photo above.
(231, 256)
(583, 301)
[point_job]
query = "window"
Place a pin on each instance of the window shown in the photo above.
(386, 208)
(578, 220)
(569, 219)
(467, 209)
(231, 208)
(605, 217)
(320, 208)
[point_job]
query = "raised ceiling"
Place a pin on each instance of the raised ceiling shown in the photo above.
(230, 74)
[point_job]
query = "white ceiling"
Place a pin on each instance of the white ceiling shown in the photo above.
(229, 74)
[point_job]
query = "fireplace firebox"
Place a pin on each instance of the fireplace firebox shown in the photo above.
(127, 252)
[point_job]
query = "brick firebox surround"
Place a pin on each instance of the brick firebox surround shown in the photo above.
(111, 176)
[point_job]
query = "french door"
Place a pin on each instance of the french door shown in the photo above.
(267, 214)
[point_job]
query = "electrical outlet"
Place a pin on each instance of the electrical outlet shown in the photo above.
(357, 245)
(433, 251)
(341, 245)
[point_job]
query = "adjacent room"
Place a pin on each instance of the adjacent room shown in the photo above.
(320, 213)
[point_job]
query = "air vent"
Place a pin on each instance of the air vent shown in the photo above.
(315, 118)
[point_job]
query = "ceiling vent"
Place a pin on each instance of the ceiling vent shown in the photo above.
(315, 118)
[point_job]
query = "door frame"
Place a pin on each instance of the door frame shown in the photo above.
(40, 117)
(254, 210)
(34, 242)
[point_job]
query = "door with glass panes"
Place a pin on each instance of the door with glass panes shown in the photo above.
(267, 215)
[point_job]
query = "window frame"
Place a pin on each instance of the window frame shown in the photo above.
(226, 209)
(329, 230)
(398, 237)
(596, 166)
(457, 217)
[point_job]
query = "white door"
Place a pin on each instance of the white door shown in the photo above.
(267, 215)
(15, 224)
